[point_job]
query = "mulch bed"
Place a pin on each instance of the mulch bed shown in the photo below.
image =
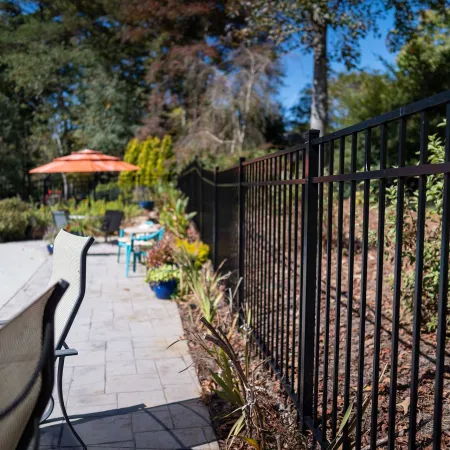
(279, 414)
(281, 417)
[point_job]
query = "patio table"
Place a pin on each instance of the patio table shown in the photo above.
(141, 229)
(76, 217)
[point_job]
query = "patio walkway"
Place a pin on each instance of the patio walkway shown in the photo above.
(124, 389)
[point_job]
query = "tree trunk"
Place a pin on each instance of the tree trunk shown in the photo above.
(319, 104)
(63, 175)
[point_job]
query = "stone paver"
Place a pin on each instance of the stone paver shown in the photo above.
(18, 263)
(124, 389)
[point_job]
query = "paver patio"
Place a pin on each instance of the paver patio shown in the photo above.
(124, 389)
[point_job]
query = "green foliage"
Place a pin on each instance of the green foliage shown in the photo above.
(87, 226)
(41, 216)
(108, 191)
(14, 219)
(175, 218)
(166, 195)
(67, 81)
(234, 384)
(207, 289)
(160, 253)
(20, 220)
(423, 68)
(155, 159)
(210, 160)
(432, 242)
(127, 180)
(358, 96)
(166, 272)
(97, 208)
(191, 253)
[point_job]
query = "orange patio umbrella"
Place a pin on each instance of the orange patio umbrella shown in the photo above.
(85, 161)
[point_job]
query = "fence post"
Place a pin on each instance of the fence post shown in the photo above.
(241, 234)
(308, 295)
(215, 231)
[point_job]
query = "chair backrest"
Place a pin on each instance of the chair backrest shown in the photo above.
(112, 220)
(69, 263)
(60, 218)
(27, 359)
(157, 236)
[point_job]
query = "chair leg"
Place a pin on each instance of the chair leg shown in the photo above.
(127, 263)
(49, 410)
(118, 253)
(37, 436)
(61, 401)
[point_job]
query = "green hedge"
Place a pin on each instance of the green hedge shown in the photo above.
(21, 220)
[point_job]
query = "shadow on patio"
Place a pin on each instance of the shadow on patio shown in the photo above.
(179, 425)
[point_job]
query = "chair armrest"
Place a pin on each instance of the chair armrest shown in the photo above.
(66, 352)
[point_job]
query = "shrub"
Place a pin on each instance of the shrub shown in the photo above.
(107, 191)
(127, 180)
(432, 243)
(14, 219)
(87, 226)
(160, 253)
(155, 159)
(195, 253)
(19, 220)
(41, 217)
(166, 195)
(97, 208)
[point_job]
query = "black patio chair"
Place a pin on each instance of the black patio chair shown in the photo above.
(60, 219)
(111, 222)
(27, 362)
(69, 263)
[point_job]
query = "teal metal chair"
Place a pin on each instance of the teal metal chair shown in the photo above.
(137, 254)
(123, 242)
(128, 244)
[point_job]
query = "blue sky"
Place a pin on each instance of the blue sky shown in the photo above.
(298, 67)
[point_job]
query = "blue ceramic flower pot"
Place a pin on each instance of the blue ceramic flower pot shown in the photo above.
(148, 205)
(165, 289)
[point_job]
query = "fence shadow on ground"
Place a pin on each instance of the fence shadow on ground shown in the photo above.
(180, 425)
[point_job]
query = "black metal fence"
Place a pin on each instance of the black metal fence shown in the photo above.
(333, 240)
(49, 189)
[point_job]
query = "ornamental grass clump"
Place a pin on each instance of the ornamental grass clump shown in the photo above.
(234, 384)
(207, 290)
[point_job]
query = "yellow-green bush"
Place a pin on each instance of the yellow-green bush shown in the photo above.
(155, 159)
(197, 252)
(127, 180)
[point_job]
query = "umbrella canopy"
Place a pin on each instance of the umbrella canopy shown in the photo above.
(85, 161)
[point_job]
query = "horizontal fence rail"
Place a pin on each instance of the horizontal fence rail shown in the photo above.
(342, 244)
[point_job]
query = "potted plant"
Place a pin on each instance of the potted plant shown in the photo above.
(49, 238)
(143, 196)
(163, 280)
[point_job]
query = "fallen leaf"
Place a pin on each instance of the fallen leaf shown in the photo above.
(405, 405)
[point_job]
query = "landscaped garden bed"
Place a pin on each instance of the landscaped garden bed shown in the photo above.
(247, 413)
